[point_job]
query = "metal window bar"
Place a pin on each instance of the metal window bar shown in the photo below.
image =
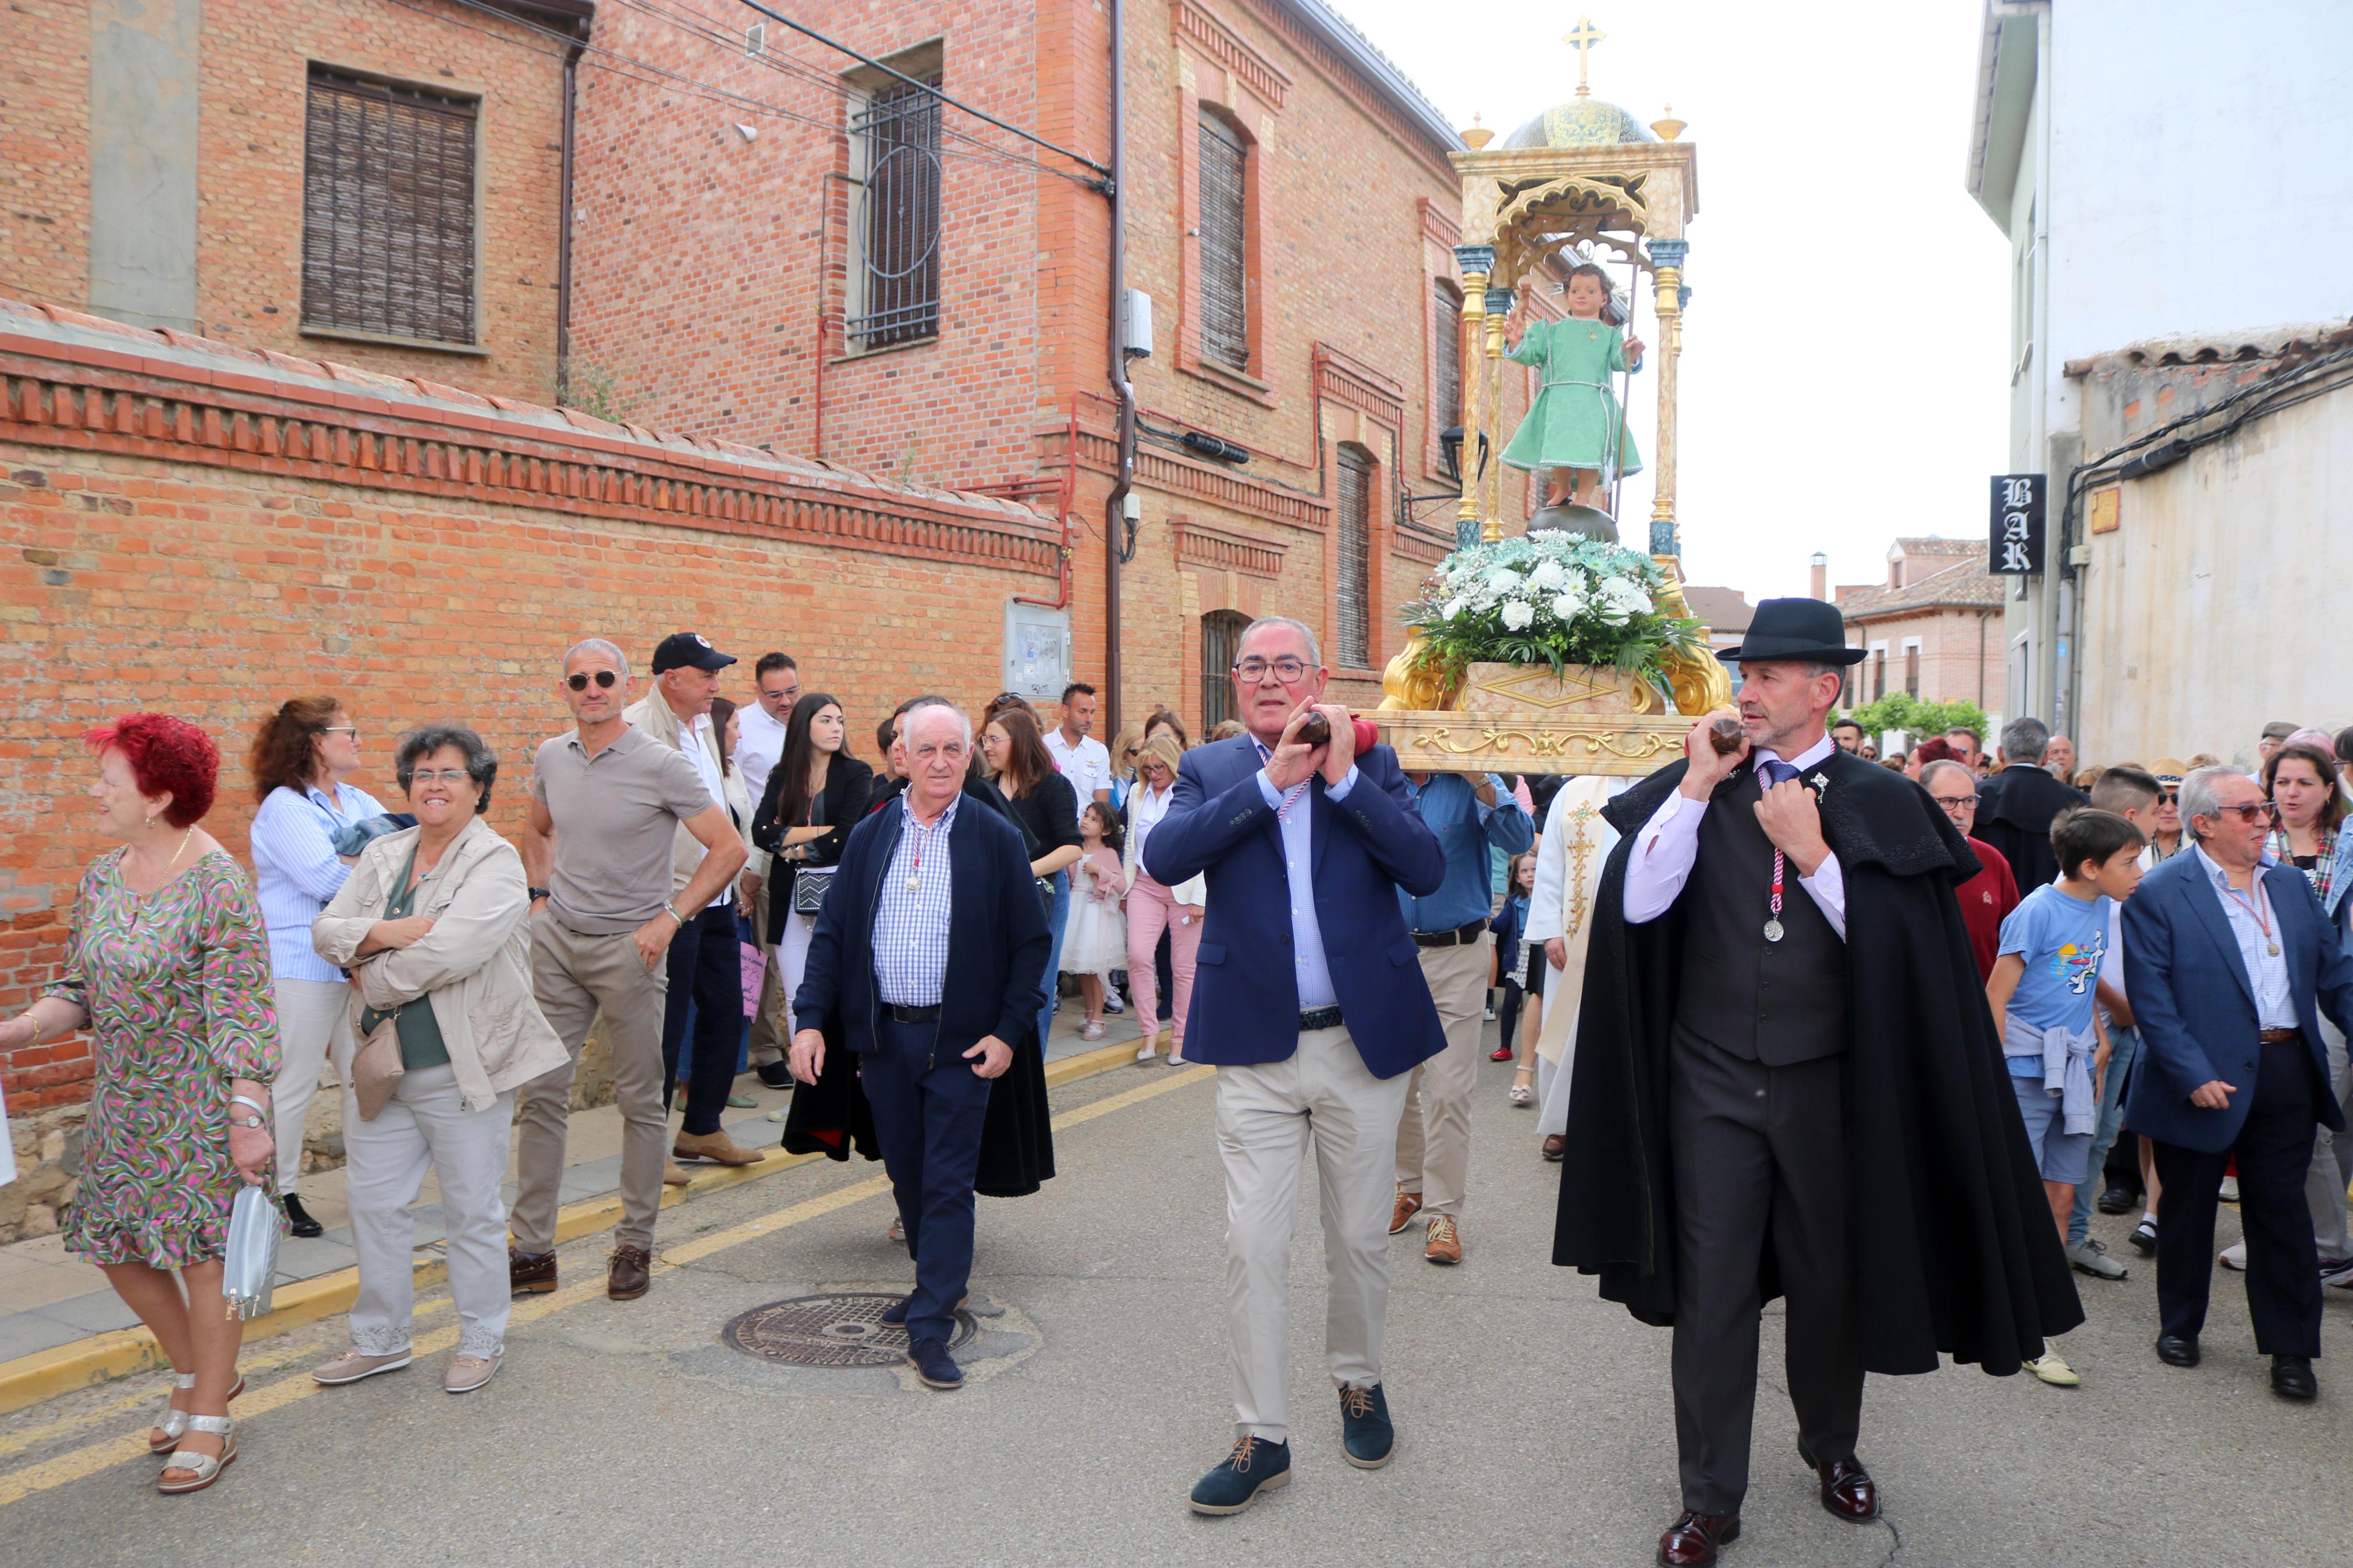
(1446, 354)
(900, 131)
(1352, 544)
(389, 210)
(1221, 645)
(1224, 282)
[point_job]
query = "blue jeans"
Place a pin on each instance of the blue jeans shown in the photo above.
(2124, 1045)
(928, 1114)
(1058, 918)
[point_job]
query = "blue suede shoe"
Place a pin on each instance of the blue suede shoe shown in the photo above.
(933, 1363)
(1255, 1465)
(1368, 1438)
(897, 1316)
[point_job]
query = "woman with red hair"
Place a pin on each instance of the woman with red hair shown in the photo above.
(168, 968)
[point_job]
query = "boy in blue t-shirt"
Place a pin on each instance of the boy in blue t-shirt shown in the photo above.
(2046, 1007)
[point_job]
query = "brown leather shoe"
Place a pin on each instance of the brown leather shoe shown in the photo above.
(1848, 1489)
(1690, 1542)
(531, 1272)
(1554, 1145)
(716, 1147)
(1407, 1205)
(672, 1176)
(1445, 1244)
(630, 1274)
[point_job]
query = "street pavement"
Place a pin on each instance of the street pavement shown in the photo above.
(1534, 1422)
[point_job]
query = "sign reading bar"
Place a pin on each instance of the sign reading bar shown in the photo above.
(2015, 544)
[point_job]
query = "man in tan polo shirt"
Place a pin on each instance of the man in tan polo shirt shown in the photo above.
(607, 802)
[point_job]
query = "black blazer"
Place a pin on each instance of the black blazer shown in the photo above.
(847, 784)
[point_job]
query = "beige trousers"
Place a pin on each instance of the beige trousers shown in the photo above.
(1433, 1144)
(314, 1027)
(576, 977)
(1267, 1115)
(769, 1024)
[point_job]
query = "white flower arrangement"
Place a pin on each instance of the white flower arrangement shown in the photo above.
(1549, 598)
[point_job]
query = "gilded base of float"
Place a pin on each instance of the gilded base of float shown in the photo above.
(1522, 718)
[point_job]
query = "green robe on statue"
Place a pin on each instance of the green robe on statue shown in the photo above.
(1575, 422)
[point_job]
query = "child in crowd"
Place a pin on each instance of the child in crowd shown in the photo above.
(1510, 926)
(2045, 1006)
(1096, 942)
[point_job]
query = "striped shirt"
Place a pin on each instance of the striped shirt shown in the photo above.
(296, 872)
(911, 917)
(2261, 950)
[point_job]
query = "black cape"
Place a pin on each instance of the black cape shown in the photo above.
(2015, 808)
(1951, 1236)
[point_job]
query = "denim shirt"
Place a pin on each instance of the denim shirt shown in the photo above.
(1466, 829)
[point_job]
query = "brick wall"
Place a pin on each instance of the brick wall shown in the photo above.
(1957, 663)
(187, 527)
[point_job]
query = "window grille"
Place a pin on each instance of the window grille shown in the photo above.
(1221, 645)
(1224, 282)
(1912, 671)
(1352, 541)
(1446, 354)
(389, 210)
(899, 131)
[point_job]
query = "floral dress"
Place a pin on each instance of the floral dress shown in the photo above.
(177, 985)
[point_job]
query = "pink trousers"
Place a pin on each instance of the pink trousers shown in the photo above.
(1151, 909)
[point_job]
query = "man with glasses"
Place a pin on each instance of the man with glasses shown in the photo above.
(600, 847)
(1309, 1003)
(2233, 964)
(1987, 897)
(760, 741)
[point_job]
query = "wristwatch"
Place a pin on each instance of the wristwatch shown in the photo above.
(539, 893)
(260, 1112)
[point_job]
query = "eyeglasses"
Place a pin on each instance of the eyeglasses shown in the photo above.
(604, 678)
(439, 776)
(1956, 802)
(2258, 811)
(1286, 670)
(351, 730)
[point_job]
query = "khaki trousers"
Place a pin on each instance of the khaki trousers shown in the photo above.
(1267, 1114)
(1433, 1145)
(314, 1027)
(768, 1043)
(576, 977)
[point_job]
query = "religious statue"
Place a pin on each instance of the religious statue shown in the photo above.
(1574, 432)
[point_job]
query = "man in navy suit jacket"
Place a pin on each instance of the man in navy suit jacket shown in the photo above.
(2230, 962)
(1308, 996)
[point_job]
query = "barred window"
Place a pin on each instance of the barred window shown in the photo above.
(1224, 282)
(389, 210)
(898, 134)
(1446, 356)
(1221, 645)
(1352, 542)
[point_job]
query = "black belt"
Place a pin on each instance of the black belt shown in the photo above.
(1460, 936)
(1320, 1018)
(898, 1014)
(2277, 1036)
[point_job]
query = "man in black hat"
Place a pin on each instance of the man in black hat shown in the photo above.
(1787, 1084)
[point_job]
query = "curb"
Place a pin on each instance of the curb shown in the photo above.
(123, 1353)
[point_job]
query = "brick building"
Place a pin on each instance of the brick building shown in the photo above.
(377, 181)
(1933, 630)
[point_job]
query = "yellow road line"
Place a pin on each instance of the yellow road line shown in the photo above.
(90, 1459)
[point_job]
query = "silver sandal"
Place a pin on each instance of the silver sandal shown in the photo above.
(175, 1422)
(206, 1469)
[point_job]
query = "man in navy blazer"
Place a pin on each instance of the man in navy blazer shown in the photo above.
(2230, 964)
(1308, 997)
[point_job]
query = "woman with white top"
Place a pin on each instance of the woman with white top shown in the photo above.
(301, 755)
(1153, 908)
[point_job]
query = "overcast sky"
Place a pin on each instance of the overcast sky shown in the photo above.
(1845, 375)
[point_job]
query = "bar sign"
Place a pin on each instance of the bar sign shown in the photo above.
(2015, 542)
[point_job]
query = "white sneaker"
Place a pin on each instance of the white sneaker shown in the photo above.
(2235, 1257)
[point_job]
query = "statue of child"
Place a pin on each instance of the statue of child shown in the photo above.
(1574, 432)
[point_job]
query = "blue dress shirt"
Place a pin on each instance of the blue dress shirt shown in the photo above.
(1466, 827)
(1299, 868)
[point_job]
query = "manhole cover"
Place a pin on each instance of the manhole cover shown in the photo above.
(828, 1330)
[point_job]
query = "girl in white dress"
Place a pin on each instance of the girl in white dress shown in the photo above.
(1096, 941)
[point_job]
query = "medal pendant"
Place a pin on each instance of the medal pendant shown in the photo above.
(914, 884)
(2273, 949)
(1773, 931)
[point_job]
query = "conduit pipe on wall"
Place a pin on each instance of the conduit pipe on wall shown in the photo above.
(1123, 482)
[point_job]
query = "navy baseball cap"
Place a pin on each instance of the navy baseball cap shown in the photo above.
(689, 650)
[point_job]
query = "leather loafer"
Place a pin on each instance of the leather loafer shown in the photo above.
(2175, 1351)
(715, 1147)
(2292, 1377)
(630, 1274)
(1848, 1489)
(531, 1272)
(1555, 1144)
(1401, 1213)
(1690, 1542)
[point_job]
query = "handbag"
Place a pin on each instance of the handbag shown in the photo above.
(376, 1067)
(250, 1262)
(753, 959)
(1046, 894)
(810, 883)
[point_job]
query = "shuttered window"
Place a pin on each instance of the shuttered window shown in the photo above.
(389, 210)
(1224, 282)
(1221, 645)
(899, 132)
(1352, 542)
(1446, 357)
(1912, 671)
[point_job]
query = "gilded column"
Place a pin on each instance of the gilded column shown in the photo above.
(1667, 257)
(1474, 262)
(1499, 306)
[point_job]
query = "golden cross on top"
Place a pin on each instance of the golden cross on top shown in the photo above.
(1582, 38)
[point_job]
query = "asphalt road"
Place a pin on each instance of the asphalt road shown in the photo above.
(1534, 1420)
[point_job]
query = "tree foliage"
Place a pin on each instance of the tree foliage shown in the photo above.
(1897, 711)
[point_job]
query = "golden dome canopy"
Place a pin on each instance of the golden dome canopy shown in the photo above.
(1581, 122)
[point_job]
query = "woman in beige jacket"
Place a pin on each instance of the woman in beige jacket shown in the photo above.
(431, 927)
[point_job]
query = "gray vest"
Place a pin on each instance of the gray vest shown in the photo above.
(1778, 1003)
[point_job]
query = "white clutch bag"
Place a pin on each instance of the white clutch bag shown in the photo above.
(249, 1266)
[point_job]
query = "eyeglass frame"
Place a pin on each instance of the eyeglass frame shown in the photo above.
(2270, 808)
(1271, 667)
(605, 679)
(440, 775)
(1950, 801)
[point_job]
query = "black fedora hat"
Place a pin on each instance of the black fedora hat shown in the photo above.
(1805, 629)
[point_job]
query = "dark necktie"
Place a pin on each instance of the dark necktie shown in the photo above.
(1778, 771)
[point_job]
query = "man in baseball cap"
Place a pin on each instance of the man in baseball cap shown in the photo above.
(689, 650)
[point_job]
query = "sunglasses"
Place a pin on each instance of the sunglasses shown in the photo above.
(2169, 796)
(2261, 810)
(604, 678)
